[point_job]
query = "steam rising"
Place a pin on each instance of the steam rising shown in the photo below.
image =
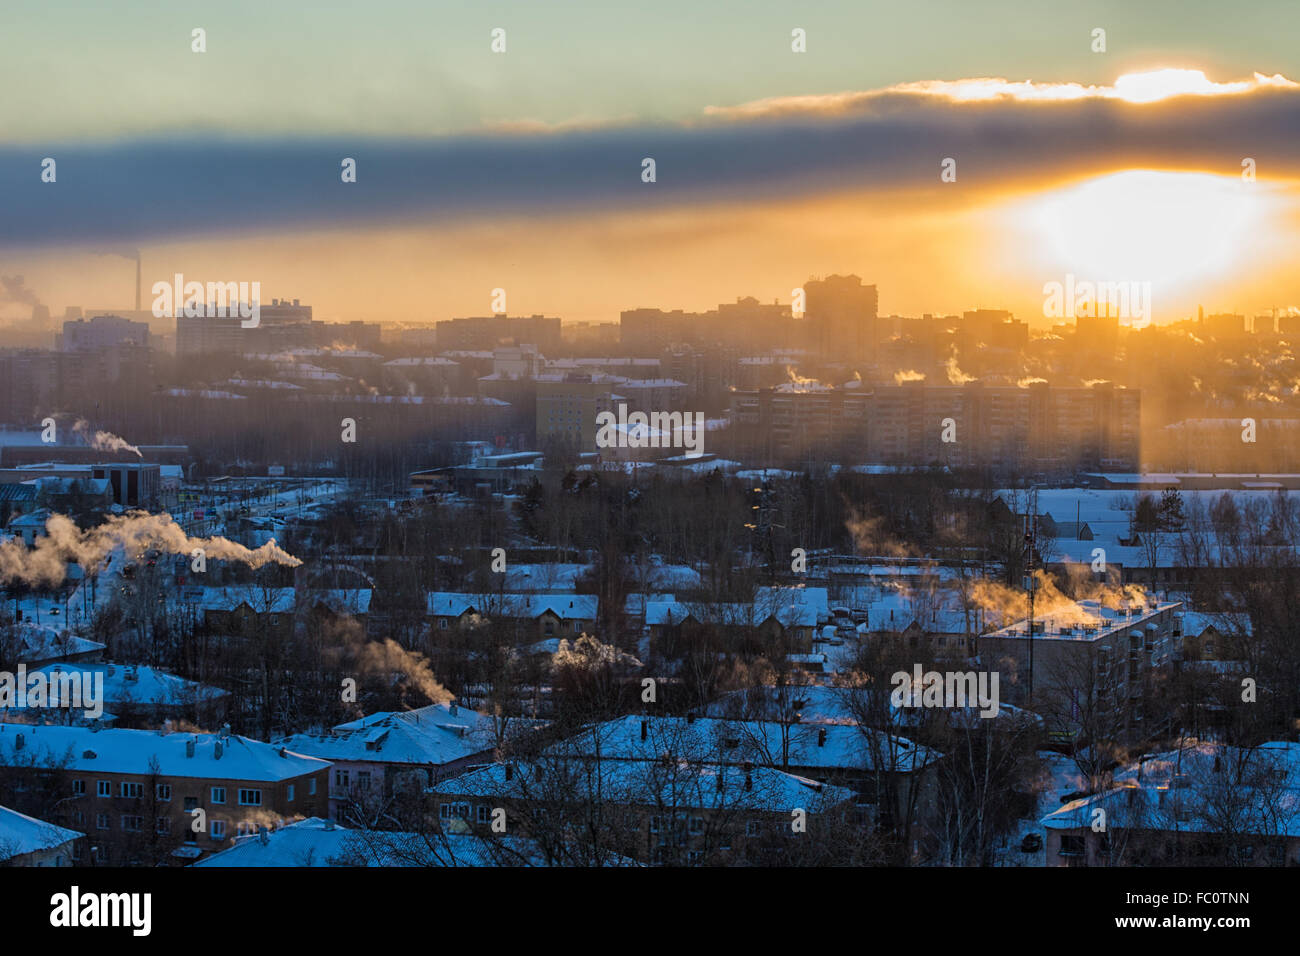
(103, 441)
(135, 532)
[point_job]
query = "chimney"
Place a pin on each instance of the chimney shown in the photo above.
(690, 717)
(189, 747)
(19, 741)
(216, 750)
(510, 772)
(749, 782)
(821, 737)
(263, 836)
(645, 728)
(452, 708)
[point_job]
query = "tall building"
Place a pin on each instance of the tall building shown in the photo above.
(486, 332)
(102, 332)
(842, 312)
(281, 325)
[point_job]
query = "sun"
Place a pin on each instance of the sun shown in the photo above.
(1148, 225)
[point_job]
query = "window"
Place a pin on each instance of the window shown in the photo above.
(341, 778)
(163, 825)
(134, 790)
(218, 829)
(1071, 846)
(104, 788)
(163, 791)
(654, 824)
(311, 787)
(289, 796)
(78, 788)
(78, 817)
(101, 821)
(218, 794)
(132, 823)
(442, 623)
(250, 798)
(275, 620)
(363, 779)
(243, 829)
(191, 803)
(752, 828)
(697, 824)
(483, 812)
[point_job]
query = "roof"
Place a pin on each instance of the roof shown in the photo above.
(762, 742)
(132, 752)
(564, 605)
(681, 785)
(39, 645)
(1183, 790)
(429, 736)
(340, 600)
(1087, 621)
(261, 600)
(21, 834)
(133, 684)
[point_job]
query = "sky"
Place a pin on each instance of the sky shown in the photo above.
(522, 170)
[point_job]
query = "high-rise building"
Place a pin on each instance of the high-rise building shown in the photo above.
(842, 313)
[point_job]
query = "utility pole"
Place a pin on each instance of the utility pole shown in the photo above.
(1031, 584)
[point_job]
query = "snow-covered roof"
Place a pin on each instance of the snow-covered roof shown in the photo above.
(720, 740)
(21, 834)
(261, 600)
(649, 783)
(38, 645)
(428, 736)
(131, 751)
(133, 684)
(340, 600)
(1195, 789)
(316, 842)
(564, 605)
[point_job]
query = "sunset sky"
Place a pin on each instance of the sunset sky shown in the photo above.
(522, 170)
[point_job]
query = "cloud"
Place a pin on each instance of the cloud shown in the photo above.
(1151, 87)
(137, 191)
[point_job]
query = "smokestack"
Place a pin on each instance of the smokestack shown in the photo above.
(137, 282)
(643, 729)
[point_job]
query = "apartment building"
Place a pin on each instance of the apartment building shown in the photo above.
(135, 793)
(384, 754)
(1208, 804)
(913, 423)
(536, 616)
(660, 811)
(1101, 658)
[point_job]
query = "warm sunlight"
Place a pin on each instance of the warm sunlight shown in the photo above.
(1149, 225)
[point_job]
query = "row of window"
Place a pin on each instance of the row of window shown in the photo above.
(248, 796)
(132, 823)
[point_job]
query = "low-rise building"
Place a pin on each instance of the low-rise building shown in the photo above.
(153, 797)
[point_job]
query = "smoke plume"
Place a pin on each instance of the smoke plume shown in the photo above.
(45, 564)
(103, 441)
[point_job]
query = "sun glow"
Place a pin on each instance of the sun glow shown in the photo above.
(1149, 225)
